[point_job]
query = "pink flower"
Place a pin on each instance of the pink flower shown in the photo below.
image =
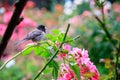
(77, 50)
(57, 43)
(61, 78)
(86, 13)
(67, 76)
(84, 63)
(83, 70)
(92, 2)
(83, 60)
(116, 7)
(2, 29)
(118, 18)
(66, 47)
(7, 17)
(77, 53)
(61, 56)
(14, 36)
(84, 53)
(27, 22)
(75, 20)
(66, 73)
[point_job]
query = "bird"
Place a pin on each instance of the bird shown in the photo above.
(35, 35)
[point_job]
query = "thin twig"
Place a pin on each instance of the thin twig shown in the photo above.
(16, 55)
(111, 41)
(116, 62)
(103, 25)
(39, 73)
(72, 39)
(98, 19)
(76, 37)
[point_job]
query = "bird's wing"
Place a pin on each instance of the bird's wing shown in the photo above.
(34, 34)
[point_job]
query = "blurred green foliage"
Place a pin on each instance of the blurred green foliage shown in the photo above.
(17, 72)
(82, 7)
(13, 73)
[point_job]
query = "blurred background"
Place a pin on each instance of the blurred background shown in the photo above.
(56, 14)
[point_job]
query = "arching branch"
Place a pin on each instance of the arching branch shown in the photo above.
(15, 20)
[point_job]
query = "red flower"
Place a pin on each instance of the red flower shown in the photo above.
(30, 4)
(118, 18)
(116, 7)
(58, 7)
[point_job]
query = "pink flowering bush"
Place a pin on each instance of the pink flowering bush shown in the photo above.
(66, 73)
(63, 54)
(20, 30)
(81, 58)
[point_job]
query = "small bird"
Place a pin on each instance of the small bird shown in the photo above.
(35, 35)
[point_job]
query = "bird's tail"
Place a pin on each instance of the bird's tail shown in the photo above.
(20, 42)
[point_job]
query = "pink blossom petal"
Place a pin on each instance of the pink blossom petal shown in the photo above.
(2, 29)
(66, 47)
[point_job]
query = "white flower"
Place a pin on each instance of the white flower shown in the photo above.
(68, 7)
(77, 2)
(2, 10)
(9, 64)
(101, 1)
(68, 11)
(108, 5)
(96, 12)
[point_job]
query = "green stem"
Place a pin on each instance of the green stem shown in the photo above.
(73, 39)
(111, 41)
(105, 29)
(14, 57)
(116, 65)
(39, 73)
(103, 25)
(103, 16)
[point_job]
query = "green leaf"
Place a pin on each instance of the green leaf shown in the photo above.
(45, 54)
(47, 71)
(97, 3)
(56, 32)
(64, 51)
(49, 36)
(60, 37)
(55, 66)
(75, 69)
(38, 50)
(55, 73)
(27, 51)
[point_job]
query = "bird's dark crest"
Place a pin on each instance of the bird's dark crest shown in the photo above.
(41, 27)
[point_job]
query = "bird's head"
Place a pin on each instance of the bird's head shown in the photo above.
(41, 27)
